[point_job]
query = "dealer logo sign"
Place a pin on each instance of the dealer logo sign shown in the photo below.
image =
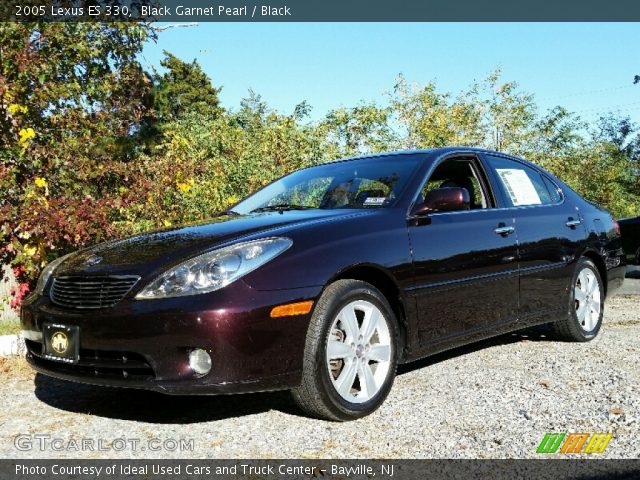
(574, 442)
(59, 342)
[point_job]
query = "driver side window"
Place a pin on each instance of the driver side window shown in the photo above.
(460, 173)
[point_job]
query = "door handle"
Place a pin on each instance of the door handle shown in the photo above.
(571, 223)
(504, 230)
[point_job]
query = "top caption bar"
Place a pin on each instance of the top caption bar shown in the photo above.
(322, 11)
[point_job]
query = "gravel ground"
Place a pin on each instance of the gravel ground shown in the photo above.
(495, 399)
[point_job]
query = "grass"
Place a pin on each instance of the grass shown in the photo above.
(9, 327)
(15, 367)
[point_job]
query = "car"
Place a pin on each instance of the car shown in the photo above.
(325, 280)
(630, 228)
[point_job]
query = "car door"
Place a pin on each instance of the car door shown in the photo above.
(465, 262)
(549, 233)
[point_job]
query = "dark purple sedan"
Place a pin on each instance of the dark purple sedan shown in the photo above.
(325, 280)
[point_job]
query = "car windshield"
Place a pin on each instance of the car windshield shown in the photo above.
(365, 183)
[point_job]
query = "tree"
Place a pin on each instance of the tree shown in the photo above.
(72, 96)
(508, 113)
(491, 114)
(553, 136)
(203, 165)
(184, 88)
(429, 118)
(351, 131)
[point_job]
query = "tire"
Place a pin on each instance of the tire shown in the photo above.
(331, 389)
(586, 305)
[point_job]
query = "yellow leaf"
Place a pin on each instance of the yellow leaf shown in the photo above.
(30, 250)
(26, 135)
(15, 108)
(167, 223)
(185, 187)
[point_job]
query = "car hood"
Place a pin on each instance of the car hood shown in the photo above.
(147, 253)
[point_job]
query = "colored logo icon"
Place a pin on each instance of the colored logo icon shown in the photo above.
(574, 442)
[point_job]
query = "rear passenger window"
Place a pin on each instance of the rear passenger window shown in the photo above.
(523, 185)
(554, 192)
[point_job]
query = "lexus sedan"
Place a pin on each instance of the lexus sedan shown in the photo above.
(325, 280)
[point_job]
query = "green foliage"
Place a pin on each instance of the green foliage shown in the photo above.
(184, 88)
(205, 165)
(430, 119)
(362, 129)
(489, 114)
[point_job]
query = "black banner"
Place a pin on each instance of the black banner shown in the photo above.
(319, 469)
(321, 10)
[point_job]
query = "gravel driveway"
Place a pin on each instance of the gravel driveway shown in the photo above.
(494, 399)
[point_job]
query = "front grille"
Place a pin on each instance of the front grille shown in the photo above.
(97, 363)
(91, 292)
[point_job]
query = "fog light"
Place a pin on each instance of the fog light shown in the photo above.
(200, 361)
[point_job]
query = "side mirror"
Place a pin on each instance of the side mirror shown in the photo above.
(447, 199)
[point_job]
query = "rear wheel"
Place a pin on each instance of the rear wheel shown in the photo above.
(586, 305)
(350, 353)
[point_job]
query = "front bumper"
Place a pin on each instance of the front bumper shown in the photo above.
(145, 343)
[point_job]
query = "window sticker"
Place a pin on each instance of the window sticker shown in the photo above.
(375, 200)
(519, 186)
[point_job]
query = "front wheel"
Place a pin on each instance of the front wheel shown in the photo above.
(586, 305)
(350, 353)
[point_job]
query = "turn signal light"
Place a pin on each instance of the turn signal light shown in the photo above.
(291, 309)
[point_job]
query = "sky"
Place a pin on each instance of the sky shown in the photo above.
(585, 67)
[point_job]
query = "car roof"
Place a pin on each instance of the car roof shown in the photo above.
(431, 151)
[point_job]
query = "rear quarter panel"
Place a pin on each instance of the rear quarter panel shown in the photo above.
(604, 240)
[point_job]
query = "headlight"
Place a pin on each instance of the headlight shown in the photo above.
(214, 270)
(47, 272)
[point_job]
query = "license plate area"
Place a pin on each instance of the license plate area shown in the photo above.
(61, 342)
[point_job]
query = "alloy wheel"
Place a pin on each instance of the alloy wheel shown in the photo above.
(587, 299)
(359, 351)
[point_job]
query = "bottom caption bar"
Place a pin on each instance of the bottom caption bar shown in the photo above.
(318, 469)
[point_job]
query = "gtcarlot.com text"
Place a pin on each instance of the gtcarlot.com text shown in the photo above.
(47, 443)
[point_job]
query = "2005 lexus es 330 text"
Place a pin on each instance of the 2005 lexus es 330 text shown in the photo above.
(323, 281)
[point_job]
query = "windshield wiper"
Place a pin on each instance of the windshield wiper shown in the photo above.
(281, 207)
(231, 213)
